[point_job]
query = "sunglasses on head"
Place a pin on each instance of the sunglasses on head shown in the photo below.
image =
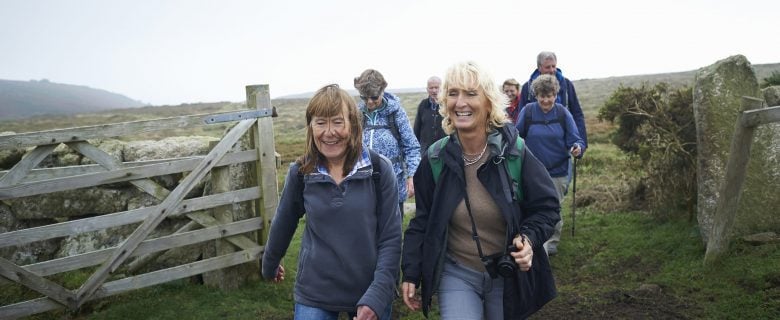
(373, 98)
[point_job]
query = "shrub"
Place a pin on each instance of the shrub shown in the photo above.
(655, 125)
(772, 80)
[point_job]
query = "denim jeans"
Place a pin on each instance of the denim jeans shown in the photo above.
(467, 294)
(304, 312)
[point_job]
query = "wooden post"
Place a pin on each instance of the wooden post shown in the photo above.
(731, 188)
(258, 96)
(226, 278)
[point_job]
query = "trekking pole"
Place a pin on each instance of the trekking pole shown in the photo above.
(573, 195)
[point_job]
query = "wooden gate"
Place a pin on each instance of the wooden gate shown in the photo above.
(24, 179)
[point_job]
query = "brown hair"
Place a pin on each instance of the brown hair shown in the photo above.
(512, 82)
(330, 101)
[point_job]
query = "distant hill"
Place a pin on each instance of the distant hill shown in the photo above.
(23, 99)
(592, 93)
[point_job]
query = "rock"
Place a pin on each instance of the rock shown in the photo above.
(717, 103)
(772, 96)
(762, 238)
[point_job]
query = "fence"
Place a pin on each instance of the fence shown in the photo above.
(736, 170)
(24, 179)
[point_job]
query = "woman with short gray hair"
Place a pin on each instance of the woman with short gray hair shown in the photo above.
(550, 133)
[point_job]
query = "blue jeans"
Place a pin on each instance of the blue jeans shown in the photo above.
(304, 312)
(467, 294)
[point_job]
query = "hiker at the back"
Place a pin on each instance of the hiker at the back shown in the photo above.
(386, 130)
(549, 131)
(352, 238)
(427, 122)
(511, 89)
(547, 63)
(485, 205)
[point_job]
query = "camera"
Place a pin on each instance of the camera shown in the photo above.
(501, 264)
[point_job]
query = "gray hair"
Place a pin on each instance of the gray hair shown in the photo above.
(545, 55)
(545, 84)
(370, 83)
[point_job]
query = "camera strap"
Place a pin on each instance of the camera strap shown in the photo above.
(474, 234)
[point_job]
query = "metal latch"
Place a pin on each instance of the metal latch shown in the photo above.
(237, 116)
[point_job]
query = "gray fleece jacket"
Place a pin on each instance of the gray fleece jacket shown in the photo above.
(351, 243)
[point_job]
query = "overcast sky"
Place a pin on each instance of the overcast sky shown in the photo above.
(171, 52)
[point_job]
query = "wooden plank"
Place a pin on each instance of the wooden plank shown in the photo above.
(107, 161)
(28, 139)
(168, 206)
(258, 96)
(187, 162)
(752, 118)
(28, 162)
(179, 272)
(143, 260)
(731, 189)
(37, 283)
(205, 219)
(96, 179)
(68, 228)
(39, 305)
(75, 262)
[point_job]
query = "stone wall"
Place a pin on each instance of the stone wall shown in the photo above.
(717, 104)
(27, 212)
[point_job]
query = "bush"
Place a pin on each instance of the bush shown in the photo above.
(655, 125)
(772, 80)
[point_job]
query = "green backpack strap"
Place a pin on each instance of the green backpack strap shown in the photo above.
(515, 165)
(433, 157)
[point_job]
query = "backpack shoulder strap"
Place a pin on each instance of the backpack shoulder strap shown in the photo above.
(526, 122)
(376, 165)
(515, 167)
(433, 157)
(562, 118)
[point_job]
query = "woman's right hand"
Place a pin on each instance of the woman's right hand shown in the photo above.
(411, 299)
(279, 274)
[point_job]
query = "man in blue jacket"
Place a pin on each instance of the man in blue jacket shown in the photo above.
(547, 63)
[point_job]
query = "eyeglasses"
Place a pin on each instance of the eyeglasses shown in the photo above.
(373, 98)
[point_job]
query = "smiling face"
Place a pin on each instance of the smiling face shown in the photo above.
(511, 92)
(331, 136)
(467, 108)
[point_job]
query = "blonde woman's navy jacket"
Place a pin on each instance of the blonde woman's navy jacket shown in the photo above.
(425, 239)
(351, 242)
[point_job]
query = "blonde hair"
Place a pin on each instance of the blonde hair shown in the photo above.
(471, 76)
(330, 101)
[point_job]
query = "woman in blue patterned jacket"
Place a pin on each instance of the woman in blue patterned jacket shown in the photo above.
(387, 131)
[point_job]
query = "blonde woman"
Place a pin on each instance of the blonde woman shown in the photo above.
(474, 240)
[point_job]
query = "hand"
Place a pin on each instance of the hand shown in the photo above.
(279, 274)
(365, 313)
(524, 254)
(409, 187)
(576, 150)
(411, 299)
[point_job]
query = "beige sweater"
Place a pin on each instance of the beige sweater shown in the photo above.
(491, 226)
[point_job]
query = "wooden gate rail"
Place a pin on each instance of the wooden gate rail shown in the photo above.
(22, 309)
(736, 171)
(24, 179)
(125, 174)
